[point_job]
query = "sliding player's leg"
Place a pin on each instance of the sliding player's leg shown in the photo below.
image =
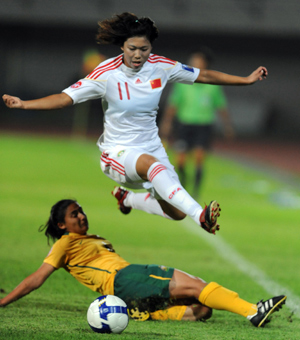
(191, 312)
(215, 296)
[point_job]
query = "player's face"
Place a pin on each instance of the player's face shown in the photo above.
(75, 220)
(136, 52)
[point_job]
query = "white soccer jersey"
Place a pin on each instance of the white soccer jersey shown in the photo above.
(130, 98)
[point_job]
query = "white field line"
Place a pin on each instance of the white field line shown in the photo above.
(248, 268)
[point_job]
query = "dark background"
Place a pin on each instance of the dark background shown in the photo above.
(42, 43)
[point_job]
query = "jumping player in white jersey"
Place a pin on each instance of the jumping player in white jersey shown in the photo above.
(130, 86)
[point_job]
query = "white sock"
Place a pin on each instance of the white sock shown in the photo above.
(172, 191)
(145, 202)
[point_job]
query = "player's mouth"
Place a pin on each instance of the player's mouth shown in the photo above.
(136, 64)
(85, 224)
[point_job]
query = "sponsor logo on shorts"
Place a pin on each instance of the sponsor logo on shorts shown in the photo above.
(120, 153)
(164, 268)
(76, 85)
(174, 192)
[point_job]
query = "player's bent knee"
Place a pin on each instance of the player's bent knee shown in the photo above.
(201, 312)
(179, 216)
(175, 214)
(171, 211)
(143, 164)
(197, 312)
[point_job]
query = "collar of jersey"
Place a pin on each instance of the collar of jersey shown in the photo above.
(130, 71)
(79, 235)
(73, 234)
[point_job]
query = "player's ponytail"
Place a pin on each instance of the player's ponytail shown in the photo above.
(57, 215)
(119, 28)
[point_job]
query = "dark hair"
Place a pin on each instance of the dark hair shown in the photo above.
(119, 28)
(57, 215)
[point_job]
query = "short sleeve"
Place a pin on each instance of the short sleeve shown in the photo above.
(56, 256)
(181, 73)
(86, 89)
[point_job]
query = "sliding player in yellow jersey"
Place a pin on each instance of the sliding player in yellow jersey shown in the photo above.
(150, 291)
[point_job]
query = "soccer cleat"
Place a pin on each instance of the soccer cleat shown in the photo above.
(209, 216)
(120, 194)
(265, 309)
(137, 315)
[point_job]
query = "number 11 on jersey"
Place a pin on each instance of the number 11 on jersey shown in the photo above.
(120, 91)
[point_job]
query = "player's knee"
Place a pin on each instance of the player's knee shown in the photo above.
(171, 211)
(201, 312)
(178, 215)
(197, 312)
(143, 164)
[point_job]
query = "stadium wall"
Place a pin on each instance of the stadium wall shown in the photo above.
(42, 53)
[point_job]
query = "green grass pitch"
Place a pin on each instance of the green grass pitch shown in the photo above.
(35, 172)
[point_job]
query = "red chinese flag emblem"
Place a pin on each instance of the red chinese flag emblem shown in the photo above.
(155, 83)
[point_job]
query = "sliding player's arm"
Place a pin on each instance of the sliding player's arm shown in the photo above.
(32, 282)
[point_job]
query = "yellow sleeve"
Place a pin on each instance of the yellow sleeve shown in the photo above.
(56, 256)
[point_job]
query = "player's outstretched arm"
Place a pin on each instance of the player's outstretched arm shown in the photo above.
(219, 78)
(55, 101)
(32, 282)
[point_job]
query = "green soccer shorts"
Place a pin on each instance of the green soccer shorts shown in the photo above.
(145, 287)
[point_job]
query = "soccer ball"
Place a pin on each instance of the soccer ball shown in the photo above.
(107, 314)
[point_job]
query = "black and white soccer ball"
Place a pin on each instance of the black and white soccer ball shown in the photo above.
(107, 314)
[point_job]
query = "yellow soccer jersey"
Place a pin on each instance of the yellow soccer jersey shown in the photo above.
(89, 258)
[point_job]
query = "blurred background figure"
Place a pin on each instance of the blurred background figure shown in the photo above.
(90, 60)
(189, 118)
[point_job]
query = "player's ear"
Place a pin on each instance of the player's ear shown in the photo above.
(61, 225)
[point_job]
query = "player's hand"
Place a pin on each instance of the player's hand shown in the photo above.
(259, 74)
(13, 102)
